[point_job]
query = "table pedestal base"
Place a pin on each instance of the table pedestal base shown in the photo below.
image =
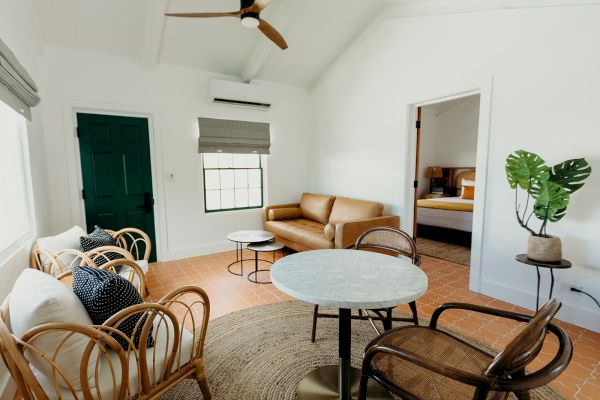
(322, 383)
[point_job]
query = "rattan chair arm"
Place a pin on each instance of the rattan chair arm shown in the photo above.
(453, 373)
(476, 308)
(98, 251)
(544, 375)
(132, 233)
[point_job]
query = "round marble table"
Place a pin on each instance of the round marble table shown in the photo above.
(346, 279)
(242, 237)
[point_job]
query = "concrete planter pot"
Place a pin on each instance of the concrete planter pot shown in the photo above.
(545, 249)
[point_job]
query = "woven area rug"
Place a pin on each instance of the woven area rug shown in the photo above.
(445, 251)
(263, 352)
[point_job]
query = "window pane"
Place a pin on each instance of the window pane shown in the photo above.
(225, 160)
(213, 200)
(241, 178)
(212, 180)
(227, 199)
(241, 198)
(254, 197)
(239, 161)
(14, 211)
(211, 160)
(227, 181)
(254, 180)
(253, 160)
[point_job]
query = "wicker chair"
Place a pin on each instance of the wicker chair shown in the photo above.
(135, 241)
(144, 373)
(58, 263)
(390, 241)
(416, 362)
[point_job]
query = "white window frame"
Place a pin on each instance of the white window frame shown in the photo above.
(8, 250)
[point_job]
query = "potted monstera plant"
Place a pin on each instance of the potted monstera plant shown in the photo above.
(548, 192)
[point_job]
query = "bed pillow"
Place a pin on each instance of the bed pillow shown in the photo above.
(104, 294)
(38, 298)
(468, 193)
(467, 182)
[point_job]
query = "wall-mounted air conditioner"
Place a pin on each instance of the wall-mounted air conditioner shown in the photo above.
(240, 94)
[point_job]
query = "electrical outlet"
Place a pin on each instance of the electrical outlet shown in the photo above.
(566, 287)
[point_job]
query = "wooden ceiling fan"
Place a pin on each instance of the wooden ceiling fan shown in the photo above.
(249, 15)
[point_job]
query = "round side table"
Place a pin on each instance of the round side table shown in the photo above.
(562, 264)
(242, 237)
(262, 248)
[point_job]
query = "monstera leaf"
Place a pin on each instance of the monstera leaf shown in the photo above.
(551, 201)
(524, 169)
(570, 174)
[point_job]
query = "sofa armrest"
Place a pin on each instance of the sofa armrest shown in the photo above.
(346, 233)
(267, 208)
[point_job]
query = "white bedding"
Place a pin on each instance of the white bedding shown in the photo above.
(459, 220)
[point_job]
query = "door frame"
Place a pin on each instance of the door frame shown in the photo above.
(75, 177)
(483, 87)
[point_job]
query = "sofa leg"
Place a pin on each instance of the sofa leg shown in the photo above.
(201, 378)
(314, 324)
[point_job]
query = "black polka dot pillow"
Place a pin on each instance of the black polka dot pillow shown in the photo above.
(104, 294)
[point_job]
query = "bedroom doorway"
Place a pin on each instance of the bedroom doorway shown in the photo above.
(445, 172)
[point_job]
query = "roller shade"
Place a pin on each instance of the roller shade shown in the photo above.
(227, 136)
(17, 88)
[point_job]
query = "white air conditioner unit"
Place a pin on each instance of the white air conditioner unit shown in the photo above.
(240, 94)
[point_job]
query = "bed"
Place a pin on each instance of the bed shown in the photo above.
(449, 212)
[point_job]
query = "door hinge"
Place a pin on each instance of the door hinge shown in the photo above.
(418, 124)
(83, 194)
(416, 184)
(78, 132)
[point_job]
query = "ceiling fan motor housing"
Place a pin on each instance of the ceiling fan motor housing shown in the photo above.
(246, 3)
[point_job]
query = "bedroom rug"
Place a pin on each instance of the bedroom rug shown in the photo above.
(261, 353)
(445, 251)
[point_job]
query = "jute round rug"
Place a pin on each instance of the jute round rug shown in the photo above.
(263, 352)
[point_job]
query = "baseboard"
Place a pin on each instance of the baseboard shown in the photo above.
(585, 318)
(195, 251)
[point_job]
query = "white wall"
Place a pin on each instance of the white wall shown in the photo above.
(174, 97)
(544, 99)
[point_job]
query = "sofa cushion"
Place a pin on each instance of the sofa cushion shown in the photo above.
(38, 298)
(280, 214)
(104, 294)
(307, 232)
(316, 207)
(345, 209)
(66, 240)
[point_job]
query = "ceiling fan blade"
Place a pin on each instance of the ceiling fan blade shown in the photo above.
(205, 15)
(272, 34)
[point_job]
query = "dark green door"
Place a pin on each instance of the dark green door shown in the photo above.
(117, 176)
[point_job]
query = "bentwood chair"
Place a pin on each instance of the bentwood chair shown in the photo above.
(418, 362)
(390, 241)
(60, 262)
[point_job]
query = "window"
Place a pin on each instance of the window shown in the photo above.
(232, 181)
(15, 216)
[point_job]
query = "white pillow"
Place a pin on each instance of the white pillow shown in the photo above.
(66, 240)
(38, 298)
(466, 182)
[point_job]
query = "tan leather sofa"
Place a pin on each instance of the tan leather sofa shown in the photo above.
(324, 222)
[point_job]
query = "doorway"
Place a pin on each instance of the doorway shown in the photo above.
(445, 175)
(116, 173)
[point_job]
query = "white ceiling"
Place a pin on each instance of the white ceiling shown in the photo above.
(317, 32)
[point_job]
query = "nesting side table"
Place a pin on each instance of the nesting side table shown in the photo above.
(242, 237)
(262, 248)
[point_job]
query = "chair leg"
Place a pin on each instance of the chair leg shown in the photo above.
(413, 308)
(362, 391)
(201, 378)
(314, 324)
(521, 395)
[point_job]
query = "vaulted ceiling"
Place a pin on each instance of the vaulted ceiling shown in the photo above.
(317, 32)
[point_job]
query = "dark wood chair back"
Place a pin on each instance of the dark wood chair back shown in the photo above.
(524, 347)
(389, 241)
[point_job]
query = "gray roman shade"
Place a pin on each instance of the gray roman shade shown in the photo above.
(227, 136)
(17, 88)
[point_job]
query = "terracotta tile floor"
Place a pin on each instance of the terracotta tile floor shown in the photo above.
(447, 282)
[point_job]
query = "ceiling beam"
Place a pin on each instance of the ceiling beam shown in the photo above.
(280, 18)
(155, 28)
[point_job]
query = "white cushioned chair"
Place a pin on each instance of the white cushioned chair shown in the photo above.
(53, 351)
